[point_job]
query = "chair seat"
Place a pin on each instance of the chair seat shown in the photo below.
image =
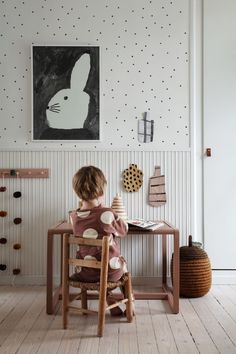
(96, 286)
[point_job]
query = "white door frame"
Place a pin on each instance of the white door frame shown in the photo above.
(196, 87)
(196, 117)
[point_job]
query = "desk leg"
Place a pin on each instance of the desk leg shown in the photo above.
(53, 295)
(50, 274)
(164, 260)
(176, 273)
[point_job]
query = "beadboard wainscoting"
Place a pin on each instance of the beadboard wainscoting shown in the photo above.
(44, 202)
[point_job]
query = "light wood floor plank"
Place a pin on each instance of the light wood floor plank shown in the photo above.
(14, 297)
(128, 341)
(5, 294)
(145, 333)
(183, 337)
(199, 333)
(226, 299)
(85, 327)
(52, 340)
(224, 319)
(14, 340)
(213, 327)
(71, 340)
(108, 344)
(226, 291)
(36, 335)
(19, 307)
(161, 326)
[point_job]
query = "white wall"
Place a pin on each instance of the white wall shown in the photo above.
(144, 67)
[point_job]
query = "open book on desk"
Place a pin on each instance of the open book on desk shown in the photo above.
(145, 224)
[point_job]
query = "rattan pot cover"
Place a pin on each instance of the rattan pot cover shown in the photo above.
(195, 271)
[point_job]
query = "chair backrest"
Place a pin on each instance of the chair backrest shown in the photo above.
(69, 240)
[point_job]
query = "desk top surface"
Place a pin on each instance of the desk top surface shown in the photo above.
(64, 227)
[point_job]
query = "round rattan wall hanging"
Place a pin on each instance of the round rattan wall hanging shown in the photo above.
(132, 178)
(195, 271)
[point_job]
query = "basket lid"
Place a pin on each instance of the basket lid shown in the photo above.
(191, 252)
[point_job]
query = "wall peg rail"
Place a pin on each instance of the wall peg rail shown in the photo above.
(24, 173)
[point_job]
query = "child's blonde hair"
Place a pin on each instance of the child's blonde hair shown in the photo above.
(89, 183)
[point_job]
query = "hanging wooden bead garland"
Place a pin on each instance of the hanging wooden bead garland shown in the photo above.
(16, 174)
(3, 214)
(17, 221)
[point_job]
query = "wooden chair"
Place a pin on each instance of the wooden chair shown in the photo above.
(102, 287)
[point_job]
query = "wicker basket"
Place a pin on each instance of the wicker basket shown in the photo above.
(195, 271)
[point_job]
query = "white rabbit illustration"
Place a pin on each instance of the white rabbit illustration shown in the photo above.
(68, 108)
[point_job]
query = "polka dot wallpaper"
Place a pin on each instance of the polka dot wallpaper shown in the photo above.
(144, 67)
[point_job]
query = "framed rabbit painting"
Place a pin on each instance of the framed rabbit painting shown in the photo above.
(65, 89)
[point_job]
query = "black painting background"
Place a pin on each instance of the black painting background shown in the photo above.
(52, 67)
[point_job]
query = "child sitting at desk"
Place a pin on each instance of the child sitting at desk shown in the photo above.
(93, 220)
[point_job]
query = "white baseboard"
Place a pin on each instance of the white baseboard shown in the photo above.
(22, 280)
(222, 277)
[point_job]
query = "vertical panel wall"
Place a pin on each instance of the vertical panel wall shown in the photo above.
(46, 201)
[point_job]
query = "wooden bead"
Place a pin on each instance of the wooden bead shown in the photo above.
(17, 246)
(17, 221)
(16, 271)
(17, 194)
(3, 189)
(3, 213)
(3, 267)
(3, 240)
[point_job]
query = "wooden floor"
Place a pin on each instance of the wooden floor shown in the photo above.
(204, 325)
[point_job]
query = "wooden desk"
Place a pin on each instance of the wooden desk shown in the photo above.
(169, 293)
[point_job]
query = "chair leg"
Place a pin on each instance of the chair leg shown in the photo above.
(101, 313)
(129, 295)
(65, 298)
(84, 303)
